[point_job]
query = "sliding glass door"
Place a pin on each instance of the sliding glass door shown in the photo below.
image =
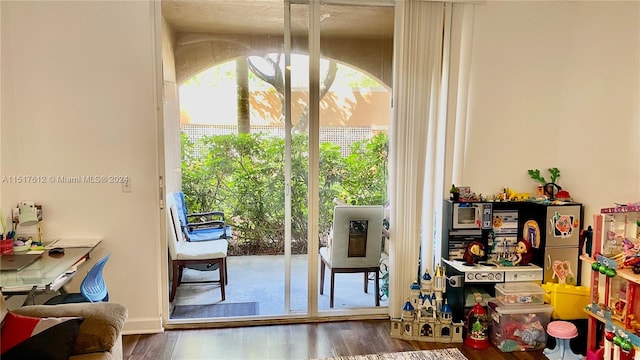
(354, 110)
(284, 113)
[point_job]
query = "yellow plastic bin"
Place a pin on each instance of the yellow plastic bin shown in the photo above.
(568, 301)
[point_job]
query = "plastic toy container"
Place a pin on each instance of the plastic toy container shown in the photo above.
(520, 293)
(568, 301)
(519, 328)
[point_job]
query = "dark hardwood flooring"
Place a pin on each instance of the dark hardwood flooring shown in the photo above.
(295, 341)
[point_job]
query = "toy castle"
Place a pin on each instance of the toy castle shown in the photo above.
(425, 315)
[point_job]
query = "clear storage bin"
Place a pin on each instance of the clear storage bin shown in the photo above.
(519, 328)
(520, 293)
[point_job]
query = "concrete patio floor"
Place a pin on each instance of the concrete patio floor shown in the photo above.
(261, 279)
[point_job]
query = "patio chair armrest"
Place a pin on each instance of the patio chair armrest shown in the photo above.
(205, 219)
(207, 213)
(217, 224)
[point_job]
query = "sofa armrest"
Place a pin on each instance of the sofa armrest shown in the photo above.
(99, 331)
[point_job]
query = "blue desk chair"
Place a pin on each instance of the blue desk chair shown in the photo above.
(203, 226)
(92, 289)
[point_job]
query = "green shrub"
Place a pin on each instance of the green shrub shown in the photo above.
(243, 175)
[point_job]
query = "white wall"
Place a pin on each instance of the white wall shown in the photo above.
(78, 98)
(556, 84)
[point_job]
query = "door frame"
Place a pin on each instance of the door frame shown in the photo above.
(163, 86)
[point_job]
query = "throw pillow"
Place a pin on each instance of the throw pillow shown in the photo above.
(26, 337)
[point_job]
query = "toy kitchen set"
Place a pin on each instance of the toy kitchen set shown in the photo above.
(489, 243)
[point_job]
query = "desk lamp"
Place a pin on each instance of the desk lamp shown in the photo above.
(27, 215)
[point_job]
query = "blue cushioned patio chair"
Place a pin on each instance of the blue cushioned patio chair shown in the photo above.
(203, 226)
(200, 255)
(92, 289)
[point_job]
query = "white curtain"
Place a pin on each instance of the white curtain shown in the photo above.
(427, 78)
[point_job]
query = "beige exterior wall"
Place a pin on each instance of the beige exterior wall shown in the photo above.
(352, 109)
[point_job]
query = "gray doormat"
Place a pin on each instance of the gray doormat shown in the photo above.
(215, 310)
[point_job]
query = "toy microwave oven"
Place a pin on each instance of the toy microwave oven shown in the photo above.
(469, 215)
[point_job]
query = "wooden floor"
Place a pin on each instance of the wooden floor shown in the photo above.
(298, 341)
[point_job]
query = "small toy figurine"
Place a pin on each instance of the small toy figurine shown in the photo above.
(475, 251)
(491, 241)
(523, 253)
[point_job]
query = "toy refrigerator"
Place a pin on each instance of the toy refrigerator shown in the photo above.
(554, 233)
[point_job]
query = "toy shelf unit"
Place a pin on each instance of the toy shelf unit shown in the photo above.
(615, 282)
(613, 300)
(619, 343)
(619, 233)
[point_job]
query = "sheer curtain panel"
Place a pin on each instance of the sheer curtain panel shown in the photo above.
(428, 79)
(417, 77)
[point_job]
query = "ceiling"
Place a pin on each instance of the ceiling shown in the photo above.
(265, 17)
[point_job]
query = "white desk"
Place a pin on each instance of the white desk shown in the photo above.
(48, 273)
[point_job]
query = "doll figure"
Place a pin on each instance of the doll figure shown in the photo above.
(523, 253)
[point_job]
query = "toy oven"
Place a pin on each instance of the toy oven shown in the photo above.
(484, 276)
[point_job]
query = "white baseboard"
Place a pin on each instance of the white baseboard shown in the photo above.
(137, 326)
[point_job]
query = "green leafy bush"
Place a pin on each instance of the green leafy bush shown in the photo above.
(243, 175)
